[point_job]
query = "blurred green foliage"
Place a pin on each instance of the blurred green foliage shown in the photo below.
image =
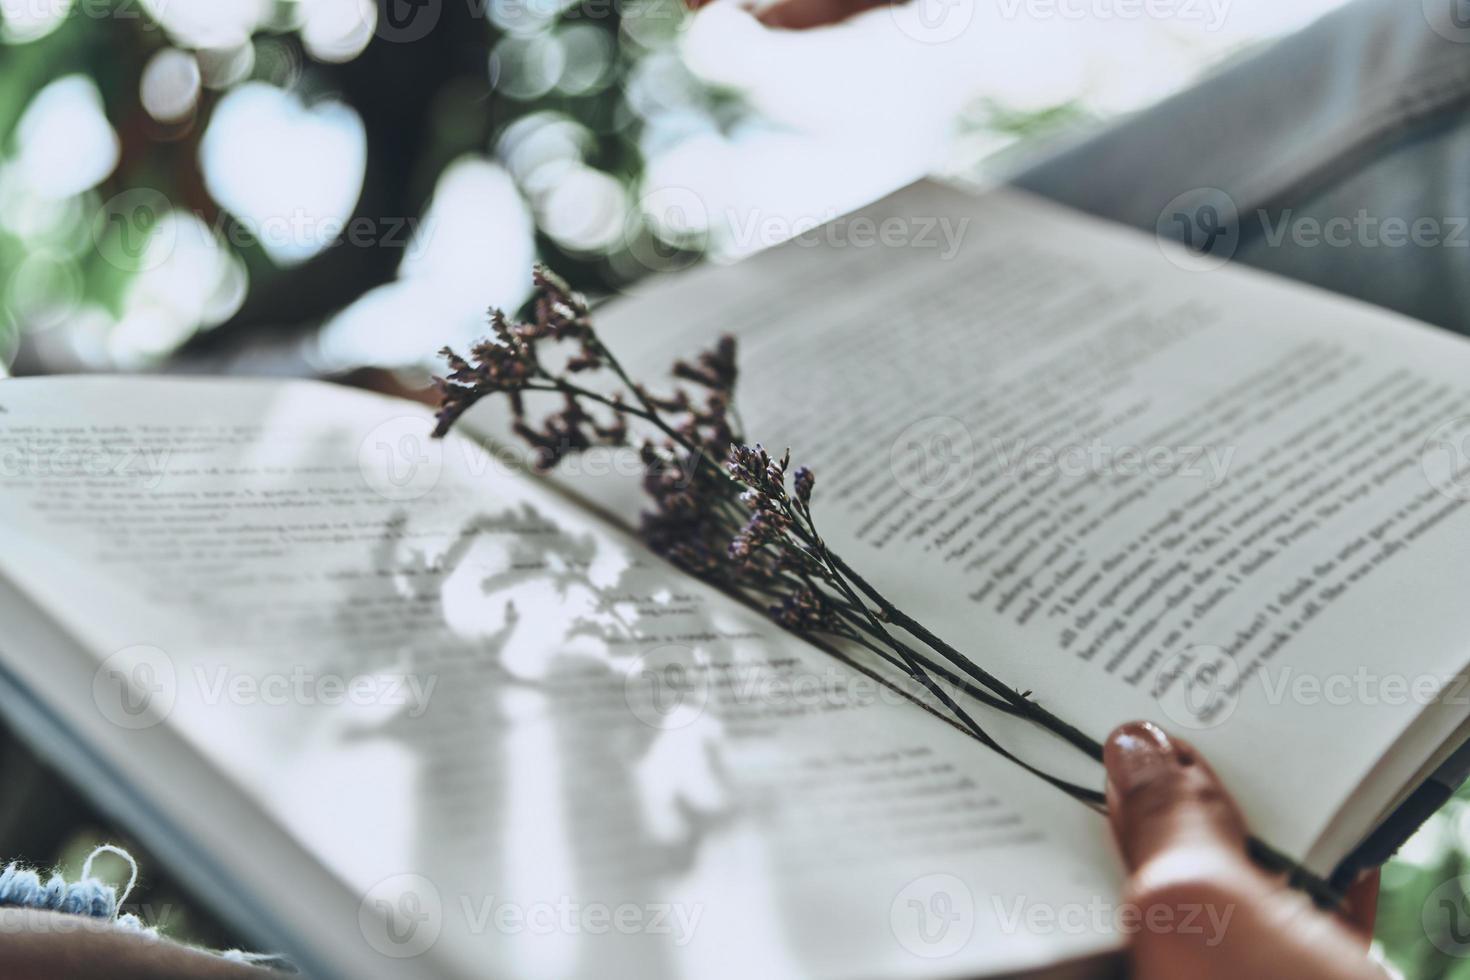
(486, 78)
(1423, 927)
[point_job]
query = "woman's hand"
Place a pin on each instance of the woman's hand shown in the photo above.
(800, 14)
(38, 945)
(1183, 841)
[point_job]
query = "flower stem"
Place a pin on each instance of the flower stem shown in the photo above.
(1022, 703)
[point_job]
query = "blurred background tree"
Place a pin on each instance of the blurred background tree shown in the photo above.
(207, 176)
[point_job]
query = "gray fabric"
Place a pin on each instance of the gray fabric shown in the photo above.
(1357, 119)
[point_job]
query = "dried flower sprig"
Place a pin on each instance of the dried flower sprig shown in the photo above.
(728, 512)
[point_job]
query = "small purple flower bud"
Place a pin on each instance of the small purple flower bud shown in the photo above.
(805, 480)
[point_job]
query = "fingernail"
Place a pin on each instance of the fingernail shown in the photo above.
(1136, 754)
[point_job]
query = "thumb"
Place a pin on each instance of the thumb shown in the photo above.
(1183, 840)
(1165, 800)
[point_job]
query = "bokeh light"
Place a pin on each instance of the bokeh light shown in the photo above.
(24, 21)
(216, 24)
(474, 249)
(526, 68)
(171, 85)
(65, 144)
(291, 173)
(337, 30)
(190, 280)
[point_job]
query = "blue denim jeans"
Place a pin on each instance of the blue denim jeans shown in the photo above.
(1339, 156)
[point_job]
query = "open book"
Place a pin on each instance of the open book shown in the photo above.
(400, 709)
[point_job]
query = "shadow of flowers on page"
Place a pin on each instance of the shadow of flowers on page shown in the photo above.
(554, 754)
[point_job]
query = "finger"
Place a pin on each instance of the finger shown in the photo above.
(1361, 907)
(1184, 841)
(795, 15)
(1164, 799)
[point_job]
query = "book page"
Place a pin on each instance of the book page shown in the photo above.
(1213, 499)
(522, 744)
